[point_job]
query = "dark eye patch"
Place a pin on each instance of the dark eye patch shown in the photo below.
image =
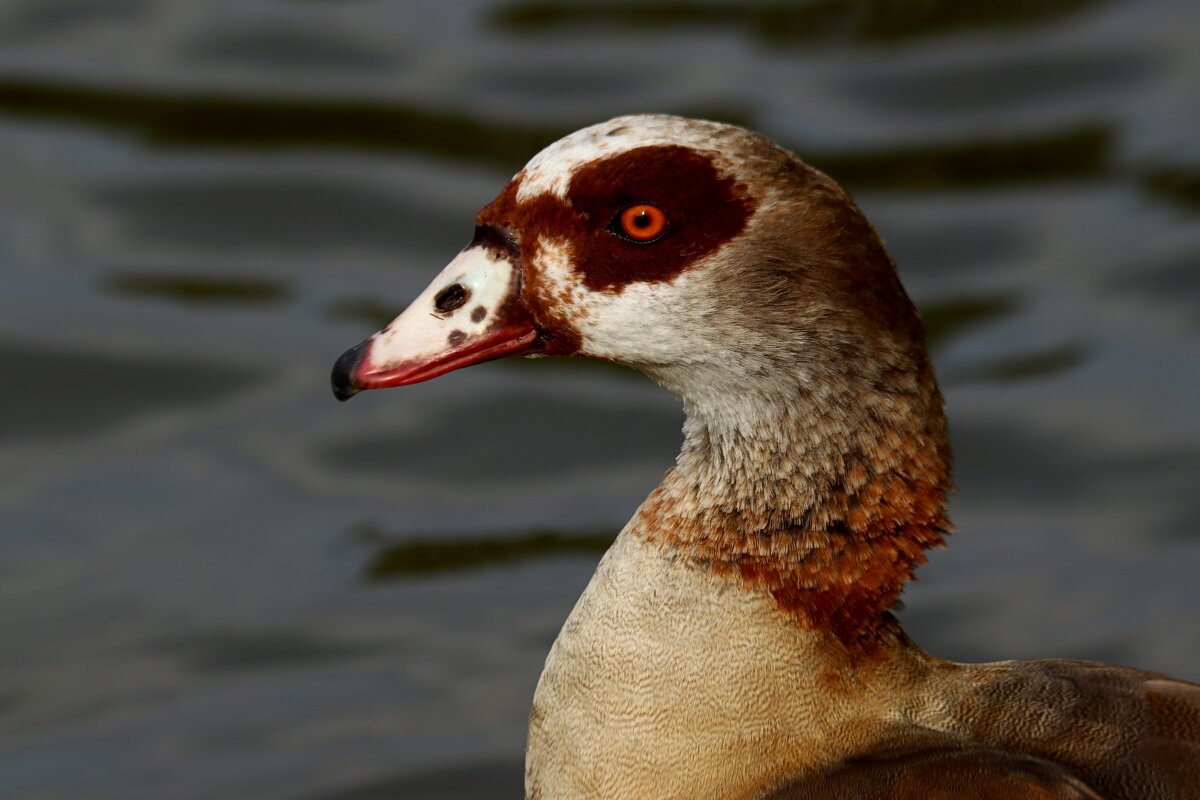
(705, 208)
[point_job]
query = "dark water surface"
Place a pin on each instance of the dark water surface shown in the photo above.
(217, 582)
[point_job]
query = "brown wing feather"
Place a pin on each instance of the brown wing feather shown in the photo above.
(1131, 734)
(941, 774)
(1173, 742)
(1055, 730)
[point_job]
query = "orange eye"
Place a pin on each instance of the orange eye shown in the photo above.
(642, 223)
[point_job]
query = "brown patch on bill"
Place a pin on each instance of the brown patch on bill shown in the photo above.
(451, 298)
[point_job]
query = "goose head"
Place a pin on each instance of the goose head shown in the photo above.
(699, 253)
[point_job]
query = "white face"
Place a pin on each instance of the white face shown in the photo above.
(644, 324)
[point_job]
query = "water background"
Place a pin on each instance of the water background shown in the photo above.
(215, 581)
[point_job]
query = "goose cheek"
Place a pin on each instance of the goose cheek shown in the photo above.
(471, 312)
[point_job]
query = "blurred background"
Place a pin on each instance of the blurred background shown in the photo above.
(215, 581)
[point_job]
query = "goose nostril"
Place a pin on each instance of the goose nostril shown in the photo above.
(450, 298)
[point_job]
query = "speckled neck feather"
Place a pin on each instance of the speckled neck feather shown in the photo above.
(824, 479)
(830, 529)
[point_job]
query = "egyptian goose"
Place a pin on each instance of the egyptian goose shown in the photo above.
(736, 640)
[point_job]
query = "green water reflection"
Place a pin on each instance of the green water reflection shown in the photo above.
(831, 20)
(212, 119)
(1082, 152)
(1026, 366)
(1178, 184)
(369, 311)
(200, 120)
(394, 558)
(197, 289)
(946, 320)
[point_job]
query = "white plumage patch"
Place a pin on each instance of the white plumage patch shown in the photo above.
(550, 171)
(644, 324)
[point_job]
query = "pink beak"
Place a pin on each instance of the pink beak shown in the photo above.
(471, 313)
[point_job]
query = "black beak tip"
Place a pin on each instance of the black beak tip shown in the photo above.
(342, 377)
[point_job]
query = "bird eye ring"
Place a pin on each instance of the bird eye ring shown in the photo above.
(642, 223)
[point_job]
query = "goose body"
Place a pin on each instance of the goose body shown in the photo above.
(735, 641)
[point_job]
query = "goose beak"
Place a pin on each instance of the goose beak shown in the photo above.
(471, 313)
